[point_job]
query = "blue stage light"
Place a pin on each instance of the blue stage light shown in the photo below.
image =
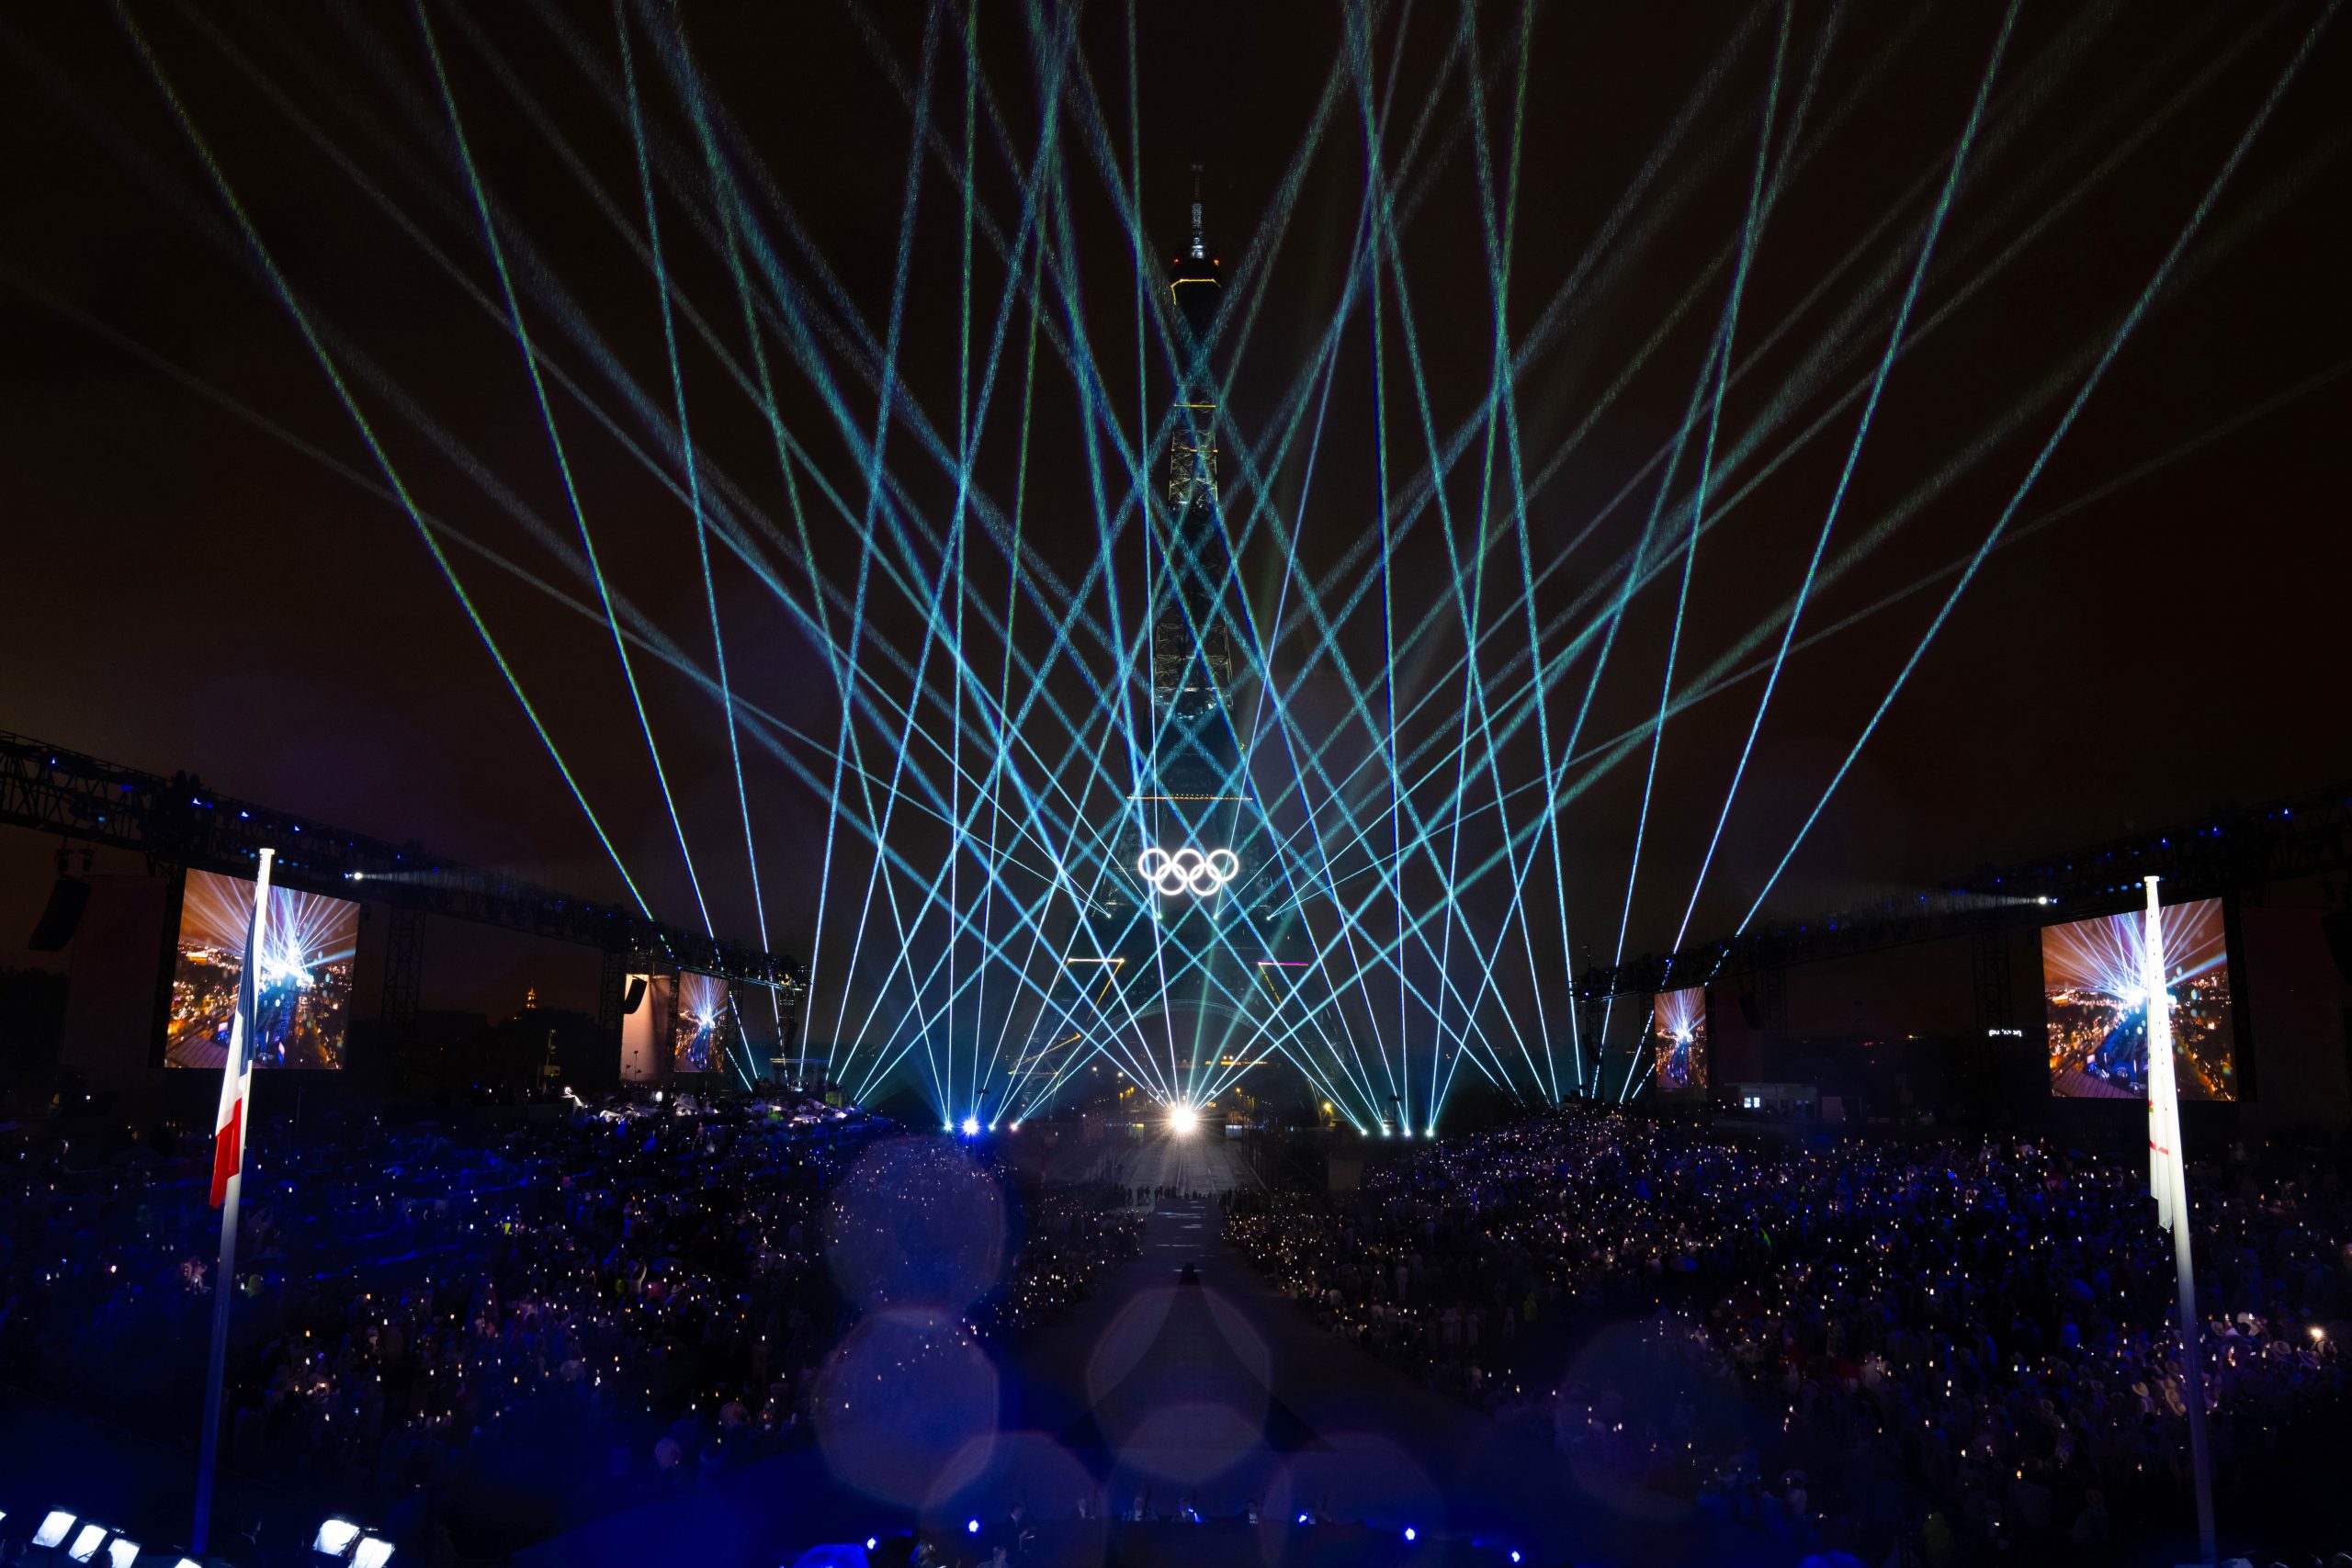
(1411, 1534)
(972, 1129)
(971, 1527)
(871, 1544)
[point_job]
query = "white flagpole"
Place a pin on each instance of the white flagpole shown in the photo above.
(225, 1279)
(2168, 1178)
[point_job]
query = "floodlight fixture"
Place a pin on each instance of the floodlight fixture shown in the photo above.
(53, 1528)
(121, 1552)
(1182, 1118)
(335, 1537)
(87, 1542)
(373, 1552)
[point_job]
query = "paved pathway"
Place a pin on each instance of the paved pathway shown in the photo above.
(1223, 1393)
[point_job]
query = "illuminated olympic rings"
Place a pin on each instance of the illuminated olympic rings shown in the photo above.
(1187, 871)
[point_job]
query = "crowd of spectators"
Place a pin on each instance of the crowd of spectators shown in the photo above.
(1942, 1347)
(549, 1313)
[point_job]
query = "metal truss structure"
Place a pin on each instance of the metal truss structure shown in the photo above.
(2228, 850)
(180, 821)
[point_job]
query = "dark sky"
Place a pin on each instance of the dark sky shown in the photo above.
(188, 590)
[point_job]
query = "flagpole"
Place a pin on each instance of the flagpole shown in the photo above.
(2169, 1176)
(238, 1066)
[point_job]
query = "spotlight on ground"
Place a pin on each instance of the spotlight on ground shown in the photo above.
(971, 1126)
(1184, 1119)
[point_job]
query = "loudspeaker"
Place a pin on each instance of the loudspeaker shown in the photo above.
(1751, 1012)
(2338, 928)
(635, 997)
(66, 902)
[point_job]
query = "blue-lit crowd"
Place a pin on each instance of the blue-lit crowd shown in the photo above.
(1925, 1350)
(487, 1328)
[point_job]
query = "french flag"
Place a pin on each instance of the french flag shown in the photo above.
(237, 1072)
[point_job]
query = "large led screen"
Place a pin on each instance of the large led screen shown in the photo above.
(704, 1032)
(2097, 1011)
(1678, 1038)
(305, 961)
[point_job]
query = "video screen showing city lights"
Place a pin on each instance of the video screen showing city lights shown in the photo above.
(2097, 1009)
(1678, 1038)
(704, 1030)
(304, 1004)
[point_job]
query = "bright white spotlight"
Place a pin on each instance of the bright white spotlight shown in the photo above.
(53, 1528)
(86, 1544)
(1182, 1118)
(971, 1527)
(1016, 1126)
(1412, 1534)
(373, 1552)
(871, 1544)
(121, 1552)
(334, 1537)
(971, 1126)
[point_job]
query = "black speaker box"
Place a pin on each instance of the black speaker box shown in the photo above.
(64, 913)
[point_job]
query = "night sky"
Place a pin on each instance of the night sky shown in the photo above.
(190, 589)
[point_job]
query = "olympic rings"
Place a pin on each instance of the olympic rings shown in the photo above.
(1187, 871)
